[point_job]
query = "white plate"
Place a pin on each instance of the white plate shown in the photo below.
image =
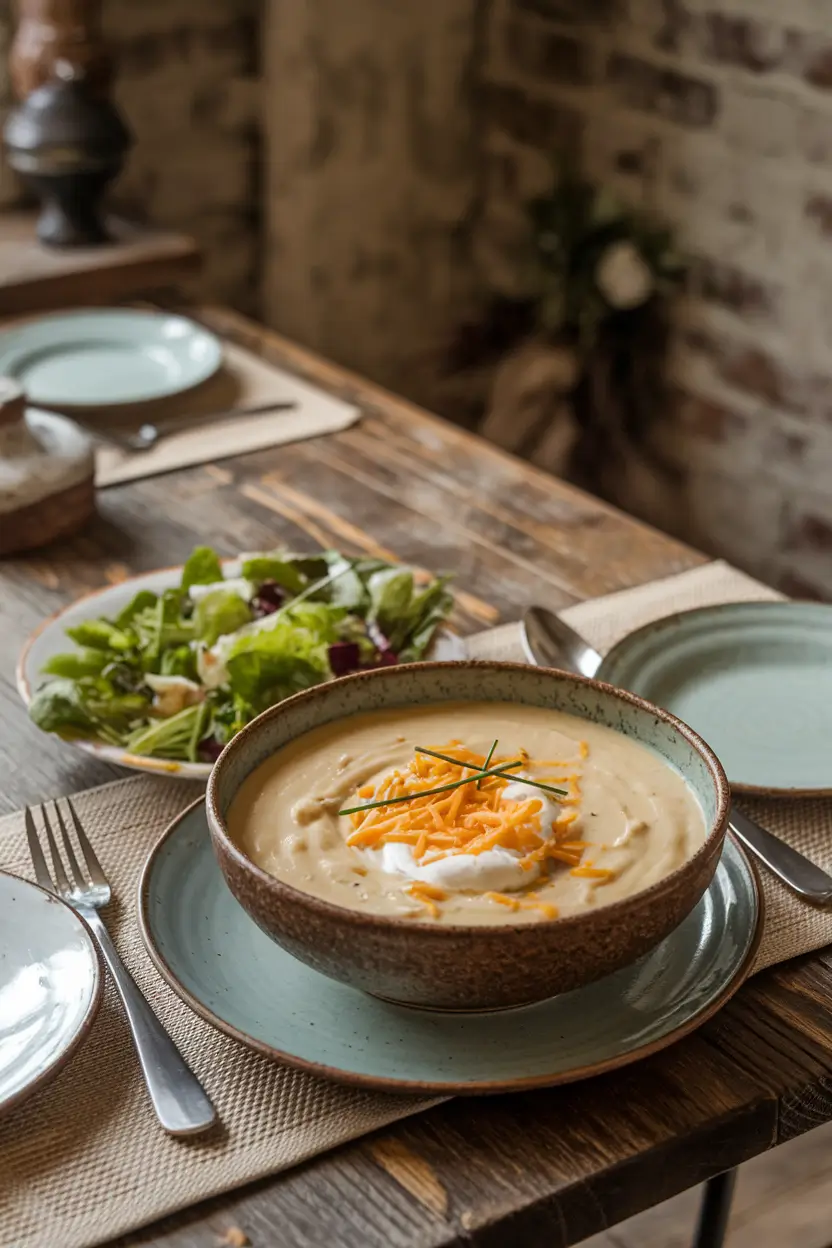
(50, 639)
(108, 357)
(50, 987)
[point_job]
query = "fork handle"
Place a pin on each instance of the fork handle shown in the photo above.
(180, 1102)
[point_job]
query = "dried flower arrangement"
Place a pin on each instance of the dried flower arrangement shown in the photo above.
(580, 353)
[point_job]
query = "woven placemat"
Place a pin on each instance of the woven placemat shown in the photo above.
(244, 380)
(84, 1160)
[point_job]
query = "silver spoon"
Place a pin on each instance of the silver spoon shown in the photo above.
(147, 435)
(549, 642)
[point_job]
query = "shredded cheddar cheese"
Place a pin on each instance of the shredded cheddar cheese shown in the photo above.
(473, 817)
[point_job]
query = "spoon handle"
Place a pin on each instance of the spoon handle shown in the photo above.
(795, 870)
(144, 441)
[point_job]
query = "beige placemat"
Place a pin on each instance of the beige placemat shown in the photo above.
(792, 926)
(245, 380)
(84, 1160)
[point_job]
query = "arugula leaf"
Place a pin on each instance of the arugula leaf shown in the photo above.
(142, 600)
(101, 635)
(203, 568)
(219, 613)
(77, 664)
(179, 661)
(407, 617)
(161, 626)
(176, 737)
(391, 592)
(428, 609)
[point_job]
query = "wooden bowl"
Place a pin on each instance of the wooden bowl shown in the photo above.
(455, 966)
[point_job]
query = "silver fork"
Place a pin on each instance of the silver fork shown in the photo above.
(178, 1098)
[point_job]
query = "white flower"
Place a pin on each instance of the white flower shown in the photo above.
(623, 276)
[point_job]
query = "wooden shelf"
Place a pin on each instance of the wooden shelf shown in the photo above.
(140, 262)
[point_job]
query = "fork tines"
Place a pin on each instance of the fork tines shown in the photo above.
(62, 885)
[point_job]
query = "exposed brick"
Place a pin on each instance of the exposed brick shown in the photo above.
(752, 370)
(796, 586)
(730, 287)
(819, 210)
(547, 54)
(818, 68)
(713, 422)
(750, 44)
(531, 120)
(589, 11)
(810, 532)
(653, 88)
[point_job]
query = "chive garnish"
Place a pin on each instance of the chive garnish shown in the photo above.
(443, 788)
(489, 757)
(537, 784)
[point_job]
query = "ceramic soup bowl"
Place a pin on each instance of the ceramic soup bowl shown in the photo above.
(467, 967)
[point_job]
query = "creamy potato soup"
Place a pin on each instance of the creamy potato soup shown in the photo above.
(467, 813)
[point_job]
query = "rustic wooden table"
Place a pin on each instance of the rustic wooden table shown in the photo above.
(548, 1168)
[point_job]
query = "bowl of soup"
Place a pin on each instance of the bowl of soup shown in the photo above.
(467, 836)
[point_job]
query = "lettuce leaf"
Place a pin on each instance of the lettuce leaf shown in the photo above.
(266, 666)
(219, 613)
(58, 707)
(274, 567)
(203, 568)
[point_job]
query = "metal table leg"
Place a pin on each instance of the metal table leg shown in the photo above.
(715, 1210)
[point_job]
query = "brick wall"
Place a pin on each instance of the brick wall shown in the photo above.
(717, 114)
(187, 79)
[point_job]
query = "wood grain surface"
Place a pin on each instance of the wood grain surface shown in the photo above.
(542, 1170)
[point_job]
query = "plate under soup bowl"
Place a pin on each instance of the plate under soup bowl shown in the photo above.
(486, 964)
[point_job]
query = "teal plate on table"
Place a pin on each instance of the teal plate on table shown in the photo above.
(108, 357)
(222, 965)
(753, 678)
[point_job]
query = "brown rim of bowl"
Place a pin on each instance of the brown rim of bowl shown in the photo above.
(365, 921)
(86, 1023)
(744, 790)
(421, 1088)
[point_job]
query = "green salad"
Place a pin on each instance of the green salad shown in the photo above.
(175, 675)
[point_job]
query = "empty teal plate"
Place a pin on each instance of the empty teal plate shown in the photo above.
(753, 678)
(108, 357)
(220, 963)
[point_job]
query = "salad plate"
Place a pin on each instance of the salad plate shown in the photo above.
(754, 678)
(108, 356)
(50, 987)
(217, 959)
(77, 683)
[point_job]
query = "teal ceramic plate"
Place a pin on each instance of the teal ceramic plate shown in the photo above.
(50, 987)
(108, 357)
(221, 964)
(753, 678)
